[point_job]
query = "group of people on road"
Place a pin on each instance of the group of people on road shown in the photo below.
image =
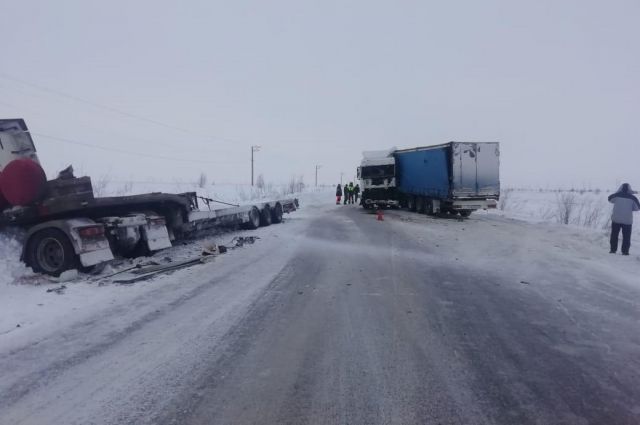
(624, 205)
(350, 193)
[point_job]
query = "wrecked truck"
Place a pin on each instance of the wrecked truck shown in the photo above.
(454, 177)
(66, 227)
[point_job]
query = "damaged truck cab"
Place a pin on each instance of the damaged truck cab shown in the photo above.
(66, 227)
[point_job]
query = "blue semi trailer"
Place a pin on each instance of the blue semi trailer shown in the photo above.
(455, 177)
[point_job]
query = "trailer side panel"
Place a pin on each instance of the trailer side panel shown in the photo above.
(424, 172)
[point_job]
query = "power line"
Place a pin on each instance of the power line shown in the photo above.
(123, 151)
(112, 109)
(119, 137)
(150, 120)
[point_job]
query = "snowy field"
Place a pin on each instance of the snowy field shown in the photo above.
(588, 212)
(28, 311)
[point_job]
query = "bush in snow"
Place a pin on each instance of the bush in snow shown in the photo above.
(591, 213)
(565, 205)
(125, 189)
(100, 186)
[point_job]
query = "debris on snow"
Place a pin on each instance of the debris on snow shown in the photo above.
(239, 241)
(67, 276)
(59, 290)
(210, 249)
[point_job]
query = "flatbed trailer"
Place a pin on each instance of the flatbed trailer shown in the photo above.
(65, 226)
(80, 233)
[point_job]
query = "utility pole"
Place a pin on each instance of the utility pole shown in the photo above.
(341, 175)
(254, 148)
(317, 168)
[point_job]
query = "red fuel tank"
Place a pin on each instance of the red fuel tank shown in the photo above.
(22, 182)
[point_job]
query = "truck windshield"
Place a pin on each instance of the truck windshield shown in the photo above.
(377, 171)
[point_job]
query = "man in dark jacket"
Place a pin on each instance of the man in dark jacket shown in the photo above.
(346, 194)
(356, 192)
(624, 205)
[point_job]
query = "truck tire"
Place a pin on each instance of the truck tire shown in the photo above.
(420, 204)
(276, 213)
(465, 213)
(49, 251)
(265, 216)
(429, 207)
(411, 203)
(254, 219)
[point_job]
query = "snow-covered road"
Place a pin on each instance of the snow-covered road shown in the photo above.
(334, 317)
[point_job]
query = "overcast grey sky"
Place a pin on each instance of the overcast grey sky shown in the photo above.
(316, 82)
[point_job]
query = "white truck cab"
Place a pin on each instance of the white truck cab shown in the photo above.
(377, 175)
(15, 142)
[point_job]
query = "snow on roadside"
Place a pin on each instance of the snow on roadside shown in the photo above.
(589, 210)
(10, 266)
(516, 252)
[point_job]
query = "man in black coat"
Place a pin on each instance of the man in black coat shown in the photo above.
(624, 205)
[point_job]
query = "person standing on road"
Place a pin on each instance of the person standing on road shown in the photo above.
(624, 205)
(356, 192)
(351, 192)
(346, 194)
(338, 194)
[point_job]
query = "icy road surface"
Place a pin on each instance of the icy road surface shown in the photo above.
(336, 318)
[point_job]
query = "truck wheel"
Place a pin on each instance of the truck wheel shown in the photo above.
(411, 203)
(50, 251)
(465, 213)
(429, 207)
(265, 216)
(254, 219)
(276, 213)
(420, 207)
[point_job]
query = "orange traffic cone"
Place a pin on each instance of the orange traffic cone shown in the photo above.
(380, 214)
